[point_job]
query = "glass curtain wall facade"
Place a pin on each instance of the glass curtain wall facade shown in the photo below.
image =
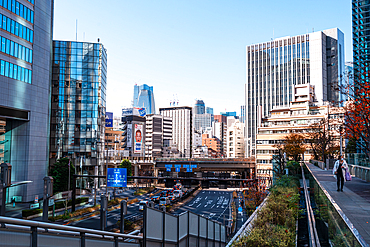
(199, 107)
(274, 68)
(361, 40)
(144, 97)
(78, 104)
(25, 64)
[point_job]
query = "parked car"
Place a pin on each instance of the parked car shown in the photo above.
(172, 199)
(178, 193)
(155, 199)
(164, 201)
(142, 204)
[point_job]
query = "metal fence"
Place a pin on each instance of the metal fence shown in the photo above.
(17, 232)
(358, 159)
(184, 230)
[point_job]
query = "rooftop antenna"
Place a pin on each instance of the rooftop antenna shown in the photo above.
(313, 30)
(76, 29)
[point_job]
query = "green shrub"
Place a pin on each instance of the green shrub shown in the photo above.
(276, 222)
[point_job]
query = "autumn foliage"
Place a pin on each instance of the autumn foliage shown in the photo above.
(357, 116)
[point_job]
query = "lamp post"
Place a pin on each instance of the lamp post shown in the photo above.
(340, 134)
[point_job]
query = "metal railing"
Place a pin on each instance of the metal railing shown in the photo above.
(336, 227)
(360, 172)
(32, 233)
(312, 232)
(248, 225)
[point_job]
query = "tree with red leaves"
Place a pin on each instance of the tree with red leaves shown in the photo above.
(357, 115)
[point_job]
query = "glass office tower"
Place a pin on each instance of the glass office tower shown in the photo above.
(144, 97)
(276, 67)
(78, 104)
(25, 64)
(361, 40)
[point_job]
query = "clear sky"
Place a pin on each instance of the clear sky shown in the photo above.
(194, 49)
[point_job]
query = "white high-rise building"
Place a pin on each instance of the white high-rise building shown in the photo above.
(235, 140)
(275, 68)
(182, 127)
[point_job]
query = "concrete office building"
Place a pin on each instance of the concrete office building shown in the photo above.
(158, 134)
(202, 121)
(78, 104)
(199, 107)
(25, 59)
(274, 68)
(182, 127)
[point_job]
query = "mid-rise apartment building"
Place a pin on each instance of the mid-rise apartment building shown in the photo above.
(299, 117)
(158, 134)
(235, 140)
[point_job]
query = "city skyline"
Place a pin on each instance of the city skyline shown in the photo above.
(179, 48)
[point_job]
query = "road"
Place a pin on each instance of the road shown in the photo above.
(113, 216)
(212, 203)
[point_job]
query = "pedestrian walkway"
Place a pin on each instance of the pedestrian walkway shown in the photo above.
(354, 201)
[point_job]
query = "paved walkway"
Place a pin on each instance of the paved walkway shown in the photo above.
(354, 200)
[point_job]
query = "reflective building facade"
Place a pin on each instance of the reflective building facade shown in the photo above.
(144, 97)
(78, 104)
(275, 67)
(361, 39)
(25, 64)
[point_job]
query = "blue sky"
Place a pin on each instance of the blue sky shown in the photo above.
(194, 49)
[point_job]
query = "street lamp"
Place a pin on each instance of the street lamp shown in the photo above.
(340, 134)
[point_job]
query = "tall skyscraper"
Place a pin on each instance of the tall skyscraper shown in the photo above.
(182, 127)
(25, 58)
(275, 67)
(199, 107)
(78, 104)
(144, 97)
(361, 40)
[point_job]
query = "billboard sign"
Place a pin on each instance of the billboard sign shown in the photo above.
(138, 138)
(134, 111)
(109, 119)
(117, 177)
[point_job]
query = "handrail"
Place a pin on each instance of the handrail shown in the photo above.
(313, 236)
(340, 212)
(247, 223)
(30, 223)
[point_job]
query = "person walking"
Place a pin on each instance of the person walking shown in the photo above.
(339, 171)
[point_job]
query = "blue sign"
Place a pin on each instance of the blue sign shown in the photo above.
(168, 166)
(178, 166)
(117, 177)
(240, 209)
(186, 166)
(142, 112)
(189, 170)
(177, 169)
(168, 169)
(193, 166)
(109, 119)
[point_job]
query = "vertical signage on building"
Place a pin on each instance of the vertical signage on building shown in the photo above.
(109, 119)
(138, 138)
(129, 135)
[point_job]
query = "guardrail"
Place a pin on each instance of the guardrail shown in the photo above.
(337, 227)
(17, 232)
(360, 172)
(311, 222)
(247, 226)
